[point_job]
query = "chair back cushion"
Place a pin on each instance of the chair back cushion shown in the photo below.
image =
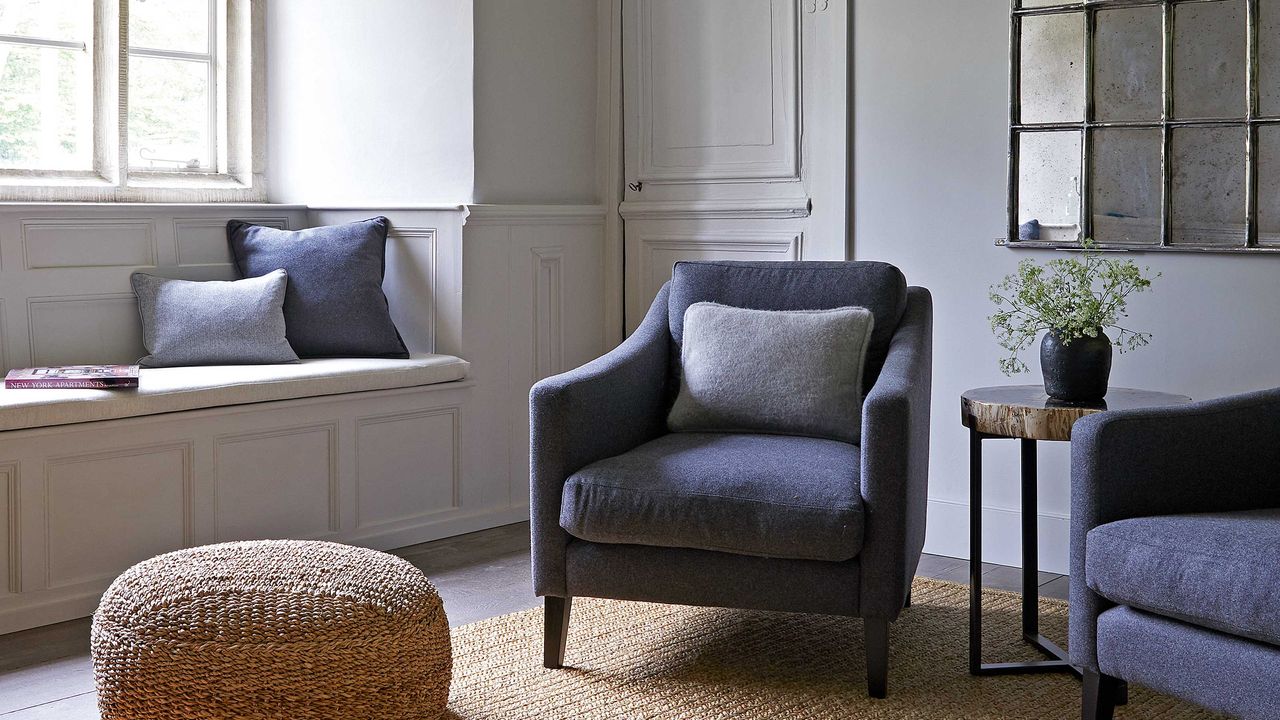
(786, 372)
(879, 287)
(1216, 570)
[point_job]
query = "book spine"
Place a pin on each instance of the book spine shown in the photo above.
(20, 384)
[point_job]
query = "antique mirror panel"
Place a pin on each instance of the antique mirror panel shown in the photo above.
(1208, 186)
(1145, 124)
(1269, 58)
(1049, 184)
(1128, 62)
(1126, 188)
(1209, 59)
(1053, 68)
(1269, 186)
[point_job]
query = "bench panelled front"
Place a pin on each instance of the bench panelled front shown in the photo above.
(83, 502)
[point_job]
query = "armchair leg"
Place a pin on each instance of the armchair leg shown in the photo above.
(877, 641)
(1100, 695)
(556, 630)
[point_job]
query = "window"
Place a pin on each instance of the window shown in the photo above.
(140, 100)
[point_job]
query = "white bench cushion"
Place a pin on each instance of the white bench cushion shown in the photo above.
(164, 390)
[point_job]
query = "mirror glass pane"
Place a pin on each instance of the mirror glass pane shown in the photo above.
(1049, 186)
(1127, 77)
(1269, 57)
(1053, 68)
(1126, 190)
(1208, 186)
(1209, 59)
(1269, 185)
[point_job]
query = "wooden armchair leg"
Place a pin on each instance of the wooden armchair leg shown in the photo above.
(1100, 695)
(556, 630)
(877, 641)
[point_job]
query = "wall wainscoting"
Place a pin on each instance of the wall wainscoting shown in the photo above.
(534, 306)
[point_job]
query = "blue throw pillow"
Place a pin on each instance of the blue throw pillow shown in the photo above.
(334, 305)
(212, 322)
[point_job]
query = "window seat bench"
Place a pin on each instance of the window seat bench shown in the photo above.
(167, 390)
(363, 451)
(372, 452)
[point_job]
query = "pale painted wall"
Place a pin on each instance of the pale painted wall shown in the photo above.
(930, 146)
(369, 103)
(535, 101)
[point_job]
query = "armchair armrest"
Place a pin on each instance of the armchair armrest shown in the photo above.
(1213, 456)
(606, 407)
(895, 461)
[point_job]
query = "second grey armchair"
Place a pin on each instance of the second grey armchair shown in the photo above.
(766, 522)
(1175, 530)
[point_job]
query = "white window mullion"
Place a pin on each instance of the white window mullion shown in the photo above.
(211, 73)
(122, 92)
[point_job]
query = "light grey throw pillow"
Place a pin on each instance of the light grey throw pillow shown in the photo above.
(772, 371)
(214, 322)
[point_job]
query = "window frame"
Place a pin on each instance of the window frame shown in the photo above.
(238, 123)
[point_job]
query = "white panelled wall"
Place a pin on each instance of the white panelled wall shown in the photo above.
(735, 135)
(532, 289)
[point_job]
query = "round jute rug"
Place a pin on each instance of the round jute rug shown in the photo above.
(641, 661)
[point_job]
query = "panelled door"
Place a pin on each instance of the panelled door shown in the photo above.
(734, 135)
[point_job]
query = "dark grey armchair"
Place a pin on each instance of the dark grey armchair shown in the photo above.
(764, 522)
(1175, 554)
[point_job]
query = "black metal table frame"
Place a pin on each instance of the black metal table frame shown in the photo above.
(1057, 661)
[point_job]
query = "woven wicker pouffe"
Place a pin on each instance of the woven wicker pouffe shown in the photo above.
(272, 629)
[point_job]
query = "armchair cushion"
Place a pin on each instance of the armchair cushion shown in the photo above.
(785, 372)
(763, 495)
(879, 287)
(1217, 570)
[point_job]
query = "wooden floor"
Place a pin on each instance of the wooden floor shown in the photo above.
(45, 673)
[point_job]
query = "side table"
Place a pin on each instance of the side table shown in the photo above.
(1025, 413)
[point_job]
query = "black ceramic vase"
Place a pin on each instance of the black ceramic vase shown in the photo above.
(1076, 371)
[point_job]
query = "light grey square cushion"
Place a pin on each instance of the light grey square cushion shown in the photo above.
(214, 322)
(789, 372)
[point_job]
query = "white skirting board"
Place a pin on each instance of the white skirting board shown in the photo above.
(948, 534)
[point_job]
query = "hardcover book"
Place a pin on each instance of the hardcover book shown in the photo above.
(103, 377)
